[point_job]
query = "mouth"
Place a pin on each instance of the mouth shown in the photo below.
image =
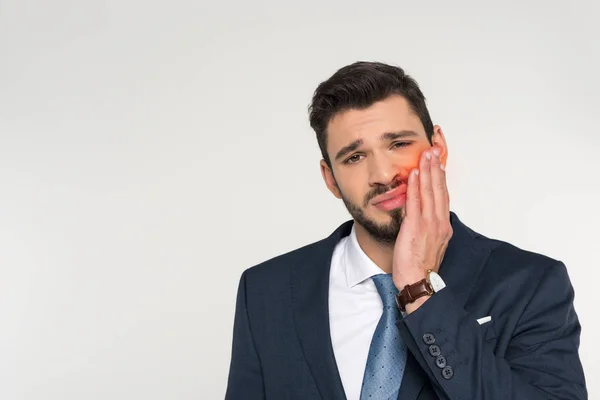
(392, 199)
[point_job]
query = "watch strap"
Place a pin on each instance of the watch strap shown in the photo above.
(410, 293)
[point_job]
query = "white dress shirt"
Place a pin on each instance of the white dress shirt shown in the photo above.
(355, 308)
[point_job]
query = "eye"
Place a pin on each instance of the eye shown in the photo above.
(354, 159)
(401, 144)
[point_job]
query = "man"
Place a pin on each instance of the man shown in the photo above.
(404, 301)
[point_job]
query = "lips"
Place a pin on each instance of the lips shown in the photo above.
(400, 190)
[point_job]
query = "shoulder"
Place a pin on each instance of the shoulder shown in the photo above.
(279, 268)
(503, 259)
(272, 279)
(512, 264)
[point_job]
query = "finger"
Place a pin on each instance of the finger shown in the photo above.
(413, 195)
(427, 200)
(440, 188)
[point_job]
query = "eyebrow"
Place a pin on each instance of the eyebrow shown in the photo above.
(389, 136)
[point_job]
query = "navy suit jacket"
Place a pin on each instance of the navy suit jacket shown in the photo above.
(529, 350)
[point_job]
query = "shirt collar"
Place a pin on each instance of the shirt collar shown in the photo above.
(358, 266)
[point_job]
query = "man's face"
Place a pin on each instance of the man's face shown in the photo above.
(372, 151)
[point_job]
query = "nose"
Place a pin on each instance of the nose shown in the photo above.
(383, 171)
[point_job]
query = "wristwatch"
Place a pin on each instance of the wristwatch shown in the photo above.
(433, 283)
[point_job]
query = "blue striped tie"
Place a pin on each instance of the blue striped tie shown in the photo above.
(387, 354)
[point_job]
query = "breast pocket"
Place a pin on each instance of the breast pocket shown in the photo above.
(488, 330)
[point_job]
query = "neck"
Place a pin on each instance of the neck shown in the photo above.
(380, 253)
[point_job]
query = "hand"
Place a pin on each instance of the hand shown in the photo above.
(426, 229)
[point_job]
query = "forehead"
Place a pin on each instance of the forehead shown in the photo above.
(390, 115)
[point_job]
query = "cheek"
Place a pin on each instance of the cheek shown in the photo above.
(412, 160)
(348, 188)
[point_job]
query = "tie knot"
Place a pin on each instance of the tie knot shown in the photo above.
(386, 288)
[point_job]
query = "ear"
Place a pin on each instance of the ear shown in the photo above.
(439, 140)
(329, 179)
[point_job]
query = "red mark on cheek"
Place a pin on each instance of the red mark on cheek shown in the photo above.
(412, 161)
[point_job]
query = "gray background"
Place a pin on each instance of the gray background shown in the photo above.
(151, 151)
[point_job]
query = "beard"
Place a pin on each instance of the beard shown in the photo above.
(385, 233)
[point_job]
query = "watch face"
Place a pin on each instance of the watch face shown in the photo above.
(436, 281)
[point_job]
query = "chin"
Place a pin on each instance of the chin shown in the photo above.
(384, 218)
(386, 215)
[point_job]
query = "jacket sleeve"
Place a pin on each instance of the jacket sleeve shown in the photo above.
(245, 374)
(541, 360)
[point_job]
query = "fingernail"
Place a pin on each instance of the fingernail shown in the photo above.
(442, 167)
(416, 172)
(436, 151)
(428, 155)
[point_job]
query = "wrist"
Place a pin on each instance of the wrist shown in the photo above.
(412, 307)
(412, 296)
(409, 279)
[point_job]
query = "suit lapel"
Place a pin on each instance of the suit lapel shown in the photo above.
(466, 254)
(310, 304)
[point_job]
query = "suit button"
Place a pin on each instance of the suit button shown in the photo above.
(448, 372)
(440, 361)
(435, 350)
(428, 338)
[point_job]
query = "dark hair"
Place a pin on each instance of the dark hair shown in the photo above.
(358, 86)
